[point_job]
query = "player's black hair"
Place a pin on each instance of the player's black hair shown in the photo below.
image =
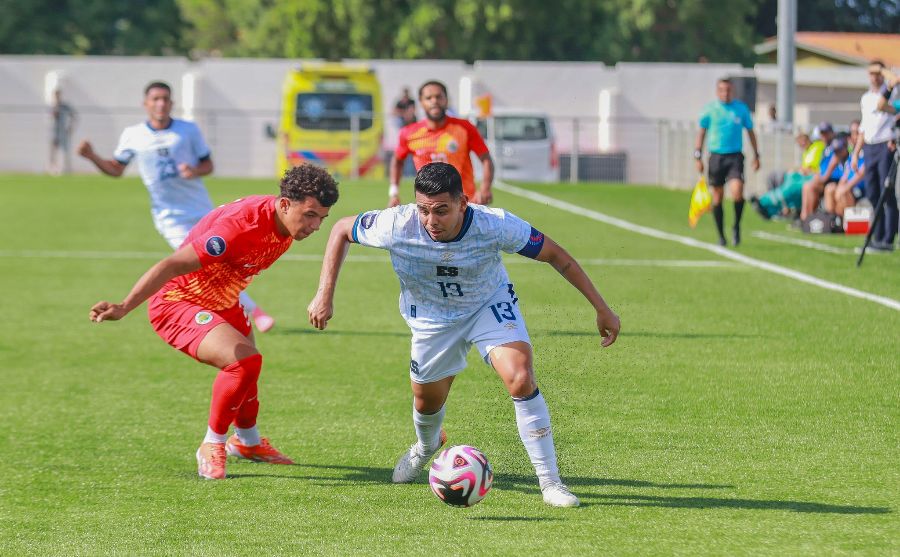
(308, 180)
(433, 82)
(437, 178)
(157, 85)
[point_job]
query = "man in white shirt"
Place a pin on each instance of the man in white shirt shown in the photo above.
(874, 136)
(455, 292)
(172, 156)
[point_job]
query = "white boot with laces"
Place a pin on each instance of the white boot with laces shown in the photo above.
(413, 461)
(556, 494)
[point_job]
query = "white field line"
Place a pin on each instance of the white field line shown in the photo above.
(153, 255)
(798, 242)
(718, 250)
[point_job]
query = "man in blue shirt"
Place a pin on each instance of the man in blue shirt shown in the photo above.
(725, 120)
(830, 171)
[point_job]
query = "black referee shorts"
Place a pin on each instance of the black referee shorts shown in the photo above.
(725, 167)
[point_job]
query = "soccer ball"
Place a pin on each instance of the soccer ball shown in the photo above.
(461, 476)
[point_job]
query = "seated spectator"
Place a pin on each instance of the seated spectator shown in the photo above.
(854, 134)
(850, 189)
(812, 155)
(809, 161)
(784, 201)
(831, 168)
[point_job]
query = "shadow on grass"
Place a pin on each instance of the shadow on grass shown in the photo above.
(649, 334)
(731, 503)
(335, 332)
(351, 474)
(512, 518)
(528, 484)
(541, 332)
(362, 475)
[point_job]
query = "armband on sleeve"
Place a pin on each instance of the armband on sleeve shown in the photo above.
(534, 245)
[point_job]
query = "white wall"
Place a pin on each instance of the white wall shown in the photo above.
(235, 98)
(649, 93)
(106, 92)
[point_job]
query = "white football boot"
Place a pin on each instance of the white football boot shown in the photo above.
(413, 461)
(556, 494)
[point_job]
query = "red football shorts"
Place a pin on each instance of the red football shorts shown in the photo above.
(184, 325)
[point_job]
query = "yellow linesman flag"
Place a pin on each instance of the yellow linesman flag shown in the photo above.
(701, 201)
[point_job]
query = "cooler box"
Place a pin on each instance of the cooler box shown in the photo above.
(856, 220)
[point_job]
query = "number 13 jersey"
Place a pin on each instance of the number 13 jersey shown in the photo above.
(442, 283)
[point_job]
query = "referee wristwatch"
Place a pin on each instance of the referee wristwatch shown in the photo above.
(698, 154)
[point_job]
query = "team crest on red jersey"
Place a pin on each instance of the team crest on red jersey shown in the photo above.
(203, 317)
(215, 246)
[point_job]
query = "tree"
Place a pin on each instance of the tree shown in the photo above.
(859, 16)
(296, 28)
(604, 30)
(610, 31)
(90, 27)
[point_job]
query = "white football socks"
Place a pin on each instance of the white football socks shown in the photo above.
(247, 302)
(248, 437)
(533, 421)
(213, 437)
(428, 428)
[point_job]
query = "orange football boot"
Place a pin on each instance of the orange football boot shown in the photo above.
(264, 452)
(211, 461)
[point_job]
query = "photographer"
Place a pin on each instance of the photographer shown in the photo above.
(890, 99)
(875, 134)
(890, 103)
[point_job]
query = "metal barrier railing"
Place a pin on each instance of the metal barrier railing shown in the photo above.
(778, 152)
(580, 149)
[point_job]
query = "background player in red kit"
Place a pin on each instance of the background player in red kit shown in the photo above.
(442, 138)
(194, 302)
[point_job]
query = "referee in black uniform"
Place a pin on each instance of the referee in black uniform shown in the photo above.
(725, 120)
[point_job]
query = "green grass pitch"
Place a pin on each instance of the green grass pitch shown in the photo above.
(740, 412)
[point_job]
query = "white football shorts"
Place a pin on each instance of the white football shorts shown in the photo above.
(439, 354)
(174, 234)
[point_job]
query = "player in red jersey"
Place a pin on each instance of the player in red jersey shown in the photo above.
(194, 303)
(442, 138)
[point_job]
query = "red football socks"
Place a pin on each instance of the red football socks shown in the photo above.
(233, 386)
(246, 414)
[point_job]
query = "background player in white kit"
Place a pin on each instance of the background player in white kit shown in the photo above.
(455, 293)
(172, 156)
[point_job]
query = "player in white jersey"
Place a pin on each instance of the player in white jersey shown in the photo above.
(172, 156)
(455, 293)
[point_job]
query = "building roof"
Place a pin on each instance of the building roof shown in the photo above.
(850, 48)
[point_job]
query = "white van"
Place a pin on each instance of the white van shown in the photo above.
(522, 145)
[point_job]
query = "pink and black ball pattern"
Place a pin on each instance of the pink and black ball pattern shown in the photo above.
(461, 476)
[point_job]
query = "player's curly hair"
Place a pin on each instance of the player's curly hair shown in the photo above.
(432, 82)
(439, 177)
(308, 180)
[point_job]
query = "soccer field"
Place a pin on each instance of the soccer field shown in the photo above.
(741, 411)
